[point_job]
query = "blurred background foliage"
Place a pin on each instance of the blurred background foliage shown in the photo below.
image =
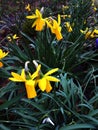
(73, 103)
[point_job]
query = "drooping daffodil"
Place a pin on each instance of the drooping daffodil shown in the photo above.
(45, 79)
(29, 80)
(55, 27)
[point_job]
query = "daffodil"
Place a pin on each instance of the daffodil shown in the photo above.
(2, 55)
(55, 27)
(13, 37)
(39, 22)
(44, 81)
(68, 26)
(27, 7)
(1, 64)
(29, 80)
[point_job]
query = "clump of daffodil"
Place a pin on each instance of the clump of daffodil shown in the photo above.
(27, 7)
(89, 33)
(32, 80)
(2, 55)
(68, 27)
(55, 27)
(39, 22)
(14, 37)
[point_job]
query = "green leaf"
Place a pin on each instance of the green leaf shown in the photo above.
(34, 104)
(9, 103)
(2, 127)
(77, 126)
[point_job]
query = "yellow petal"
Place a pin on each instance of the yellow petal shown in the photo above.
(23, 74)
(38, 13)
(48, 24)
(58, 35)
(51, 78)
(96, 31)
(59, 19)
(40, 23)
(51, 71)
(3, 54)
(31, 16)
(16, 77)
(48, 87)
(36, 73)
(42, 84)
(30, 89)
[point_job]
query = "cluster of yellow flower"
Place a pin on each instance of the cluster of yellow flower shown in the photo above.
(2, 55)
(35, 79)
(90, 33)
(40, 22)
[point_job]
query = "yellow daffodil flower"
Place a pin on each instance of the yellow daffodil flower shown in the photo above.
(39, 21)
(30, 81)
(3, 54)
(44, 81)
(13, 37)
(55, 27)
(28, 8)
(1, 64)
(68, 26)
